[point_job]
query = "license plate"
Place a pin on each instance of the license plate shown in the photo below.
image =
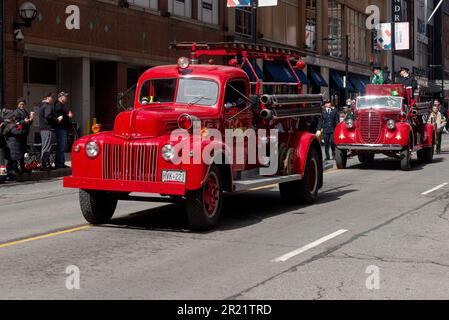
(173, 176)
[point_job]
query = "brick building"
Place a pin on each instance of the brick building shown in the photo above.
(115, 44)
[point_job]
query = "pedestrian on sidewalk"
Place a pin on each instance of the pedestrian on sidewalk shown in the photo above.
(62, 128)
(439, 121)
(47, 125)
(3, 147)
(25, 119)
(12, 132)
(328, 121)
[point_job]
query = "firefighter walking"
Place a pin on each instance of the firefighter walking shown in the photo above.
(328, 121)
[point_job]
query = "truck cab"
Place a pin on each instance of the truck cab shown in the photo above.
(174, 141)
(386, 121)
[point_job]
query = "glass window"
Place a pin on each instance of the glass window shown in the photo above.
(208, 11)
(335, 15)
(157, 91)
(243, 21)
(197, 92)
(358, 39)
(39, 71)
(235, 94)
(379, 102)
(311, 25)
(152, 4)
(182, 8)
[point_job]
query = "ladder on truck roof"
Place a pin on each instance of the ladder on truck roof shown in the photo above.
(248, 53)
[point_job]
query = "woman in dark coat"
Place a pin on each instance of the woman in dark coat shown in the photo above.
(13, 134)
(25, 119)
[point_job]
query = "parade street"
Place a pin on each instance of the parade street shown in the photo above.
(369, 220)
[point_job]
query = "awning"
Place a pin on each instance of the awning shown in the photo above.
(278, 71)
(249, 72)
(317, 78)
(357, 83)
(302, 76)
(337, 78)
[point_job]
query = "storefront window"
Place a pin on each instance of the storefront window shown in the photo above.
(243, 21)
(311, 25)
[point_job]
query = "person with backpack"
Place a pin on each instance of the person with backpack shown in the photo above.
(12, 132)
(25, 119)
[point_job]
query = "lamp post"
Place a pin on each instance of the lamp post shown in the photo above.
(254, 20)
(346, 78)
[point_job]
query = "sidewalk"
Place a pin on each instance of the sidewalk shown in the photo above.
(37, 175)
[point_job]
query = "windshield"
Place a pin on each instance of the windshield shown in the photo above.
(379, 102)
(198, 92)
(157, 90)
(190, 91)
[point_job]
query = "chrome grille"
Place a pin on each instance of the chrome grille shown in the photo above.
(130, 162)
(370, 127)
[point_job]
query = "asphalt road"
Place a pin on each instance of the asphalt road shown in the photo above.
(376, 233)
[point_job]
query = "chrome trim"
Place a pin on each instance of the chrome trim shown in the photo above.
(377, 147)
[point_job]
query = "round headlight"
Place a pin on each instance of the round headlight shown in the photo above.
(391, 124)
(183, 62)
(349, 123)
(168, 152)
(77, 148)
(92, 149)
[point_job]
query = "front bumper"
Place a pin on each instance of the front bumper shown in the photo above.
(171, 188)
(371, 147)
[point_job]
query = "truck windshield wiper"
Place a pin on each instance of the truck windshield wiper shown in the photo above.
(197, 99)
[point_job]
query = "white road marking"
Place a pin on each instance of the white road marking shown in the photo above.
(435, 189)
(309, 246)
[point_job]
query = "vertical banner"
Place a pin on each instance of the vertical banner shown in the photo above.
(383, 40)
(247, 3)
(268, 3)
(402, 36)
(239, 3)
(397, 10)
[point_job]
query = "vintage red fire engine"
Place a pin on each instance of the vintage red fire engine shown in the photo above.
(386, 121)
(137, 156)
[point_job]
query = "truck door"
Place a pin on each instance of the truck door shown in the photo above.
(238, 116)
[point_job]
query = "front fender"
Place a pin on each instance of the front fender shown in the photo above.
(402, 134)
(302, 142)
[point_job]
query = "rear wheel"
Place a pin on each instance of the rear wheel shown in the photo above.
(304, 191)
(204, 204)
(341, 158)
(97, 206)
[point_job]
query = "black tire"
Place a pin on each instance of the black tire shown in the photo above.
(97, 207)
(302, 191)
(428, 154)
(406, 162)
(366, 157)
(198, 214)
(341, 158)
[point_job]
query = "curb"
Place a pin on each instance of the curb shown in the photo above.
(39, 176)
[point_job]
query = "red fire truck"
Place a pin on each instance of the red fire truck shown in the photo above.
(386, 121)
(259, 88)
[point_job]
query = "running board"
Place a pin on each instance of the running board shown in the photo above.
(242, 185)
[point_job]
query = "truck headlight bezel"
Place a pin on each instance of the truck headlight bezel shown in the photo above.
(391, 124)
(349, 124)
(92, 149)
(168, 152)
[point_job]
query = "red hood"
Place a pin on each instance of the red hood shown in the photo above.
(156, 120)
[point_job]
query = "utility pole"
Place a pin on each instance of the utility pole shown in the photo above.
(393, 42)
(347, 67)
(2, 56)
(254, 20)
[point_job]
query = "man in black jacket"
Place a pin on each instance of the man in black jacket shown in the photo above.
(61, 129)
(47, 124)
(329, 120)
(407, 79)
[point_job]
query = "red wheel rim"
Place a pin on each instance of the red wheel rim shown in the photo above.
(313, 181)
(211, 195)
